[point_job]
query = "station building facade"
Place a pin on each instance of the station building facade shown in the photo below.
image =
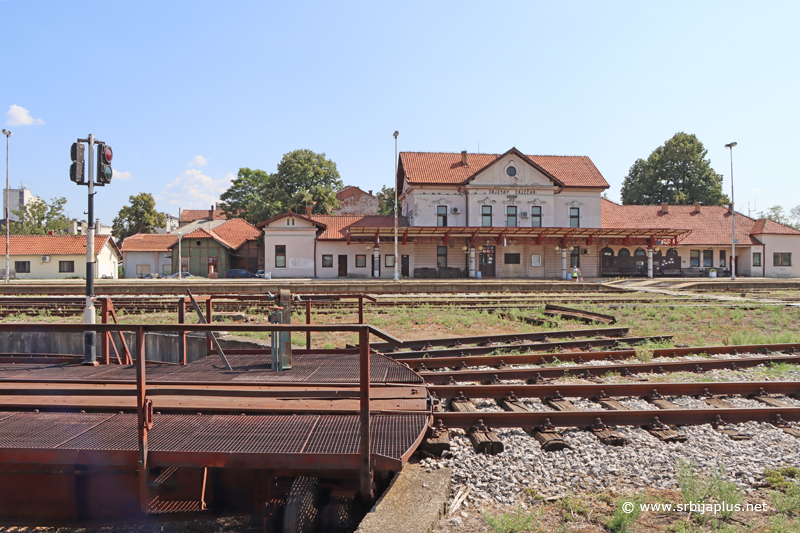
(513, 215)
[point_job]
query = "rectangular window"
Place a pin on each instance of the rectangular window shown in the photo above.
(441, 256)
(388, 260)
(757, 259)
(486, 216)
(22, 267)
(441, 215)
(361, 261)
(327, 261)
(722, 258)
(574, 217)
(511, 259)
(694, 258)
(536, 216)
(142, 269)
(780, 259)
(511, 216)
(280, 256)
(708, 258)
(66, 266)
(166, 269)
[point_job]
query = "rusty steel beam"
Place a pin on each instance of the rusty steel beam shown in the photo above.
(537, 358)
(594, 390)
(679, 417)
(541, 347)
(503, 338)
(600, 370)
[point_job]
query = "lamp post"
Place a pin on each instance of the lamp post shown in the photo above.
(180, 256)
(396, 272)
(8, 222)
(733, 219)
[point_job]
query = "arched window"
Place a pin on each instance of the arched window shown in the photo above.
(607, 252)
(640, 251)
(624, 252)
(672, 251)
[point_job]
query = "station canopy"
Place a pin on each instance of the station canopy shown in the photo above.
(539, 235)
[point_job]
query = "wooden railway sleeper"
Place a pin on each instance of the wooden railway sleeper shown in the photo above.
(727, 429)
(546, 434)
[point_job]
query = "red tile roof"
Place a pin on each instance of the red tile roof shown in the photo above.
(53, 244)
(336, 225)
(232, 234)
(427, 168)
(770, 227)
(148, 242)
(291, 214)
(350, 190)
(237, 231)
(712, 225)
(190, 215)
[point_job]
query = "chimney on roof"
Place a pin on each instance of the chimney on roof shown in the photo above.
(697, 207)
(370, 192)
(51, 232)
(464, 157)
(212, 209)
(665, 208)
(308, 210)
(730, 207)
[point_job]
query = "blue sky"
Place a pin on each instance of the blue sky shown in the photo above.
(241, 83)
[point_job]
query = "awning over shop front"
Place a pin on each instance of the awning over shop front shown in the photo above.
(476, 235)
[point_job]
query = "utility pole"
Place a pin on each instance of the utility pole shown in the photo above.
(8, 134)
(396, 271)
(733, 219)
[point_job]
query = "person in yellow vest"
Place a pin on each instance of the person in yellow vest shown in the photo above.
(575, 273)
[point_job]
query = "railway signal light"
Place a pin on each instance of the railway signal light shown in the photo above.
(76, 169)
(104, 157)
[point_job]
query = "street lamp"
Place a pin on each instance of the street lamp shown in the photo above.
(180, 256)
(733, 219)
(396, 272)
(8, 222)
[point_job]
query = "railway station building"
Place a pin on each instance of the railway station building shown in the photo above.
(513, 215)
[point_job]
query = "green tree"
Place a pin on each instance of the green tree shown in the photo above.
(677, 173)
(40, 217)
(303, 178)
(386, 201)
(250, 196)
(304, 175)
(140, 216)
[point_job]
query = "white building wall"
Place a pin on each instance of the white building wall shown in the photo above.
(299, 242)
(785, 244)
(337, 248)
(156, 261)
(106, 265)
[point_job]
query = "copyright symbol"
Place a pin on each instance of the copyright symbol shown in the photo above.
(627, 507)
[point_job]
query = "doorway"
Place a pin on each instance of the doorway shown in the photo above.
(213, 267)
(404, 265)
(486, 262)
(342, 266)
(376, 266)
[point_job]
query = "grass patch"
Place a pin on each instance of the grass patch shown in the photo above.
(574, 508)
(625, 514)
(516, 522)
(706, 489)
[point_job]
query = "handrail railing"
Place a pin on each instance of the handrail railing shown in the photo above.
(145, 405)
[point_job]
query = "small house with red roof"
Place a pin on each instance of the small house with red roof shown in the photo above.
(354, 201)
(59, 256)
(211, 252)
(146, 253)
(515, 215)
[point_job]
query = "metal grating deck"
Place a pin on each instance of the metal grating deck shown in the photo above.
(392, 435)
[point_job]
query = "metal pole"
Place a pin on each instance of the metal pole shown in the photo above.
(365, 465)
(8, 222)
(733, 219)
(180, 256)
(90, 336)
(396, 271)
